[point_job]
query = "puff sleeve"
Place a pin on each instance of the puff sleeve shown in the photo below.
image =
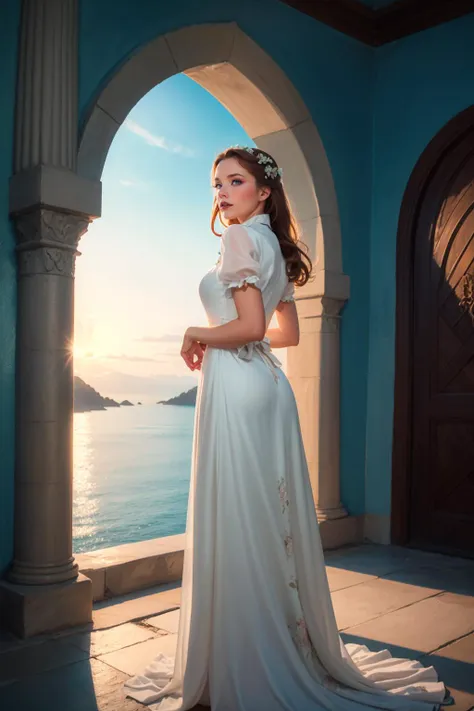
(239, 262)
(289, 293)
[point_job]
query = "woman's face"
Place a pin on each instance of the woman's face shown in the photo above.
(237, 194)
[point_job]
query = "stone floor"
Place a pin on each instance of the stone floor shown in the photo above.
(416, 604)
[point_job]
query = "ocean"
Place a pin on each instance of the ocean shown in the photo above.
(132, 468)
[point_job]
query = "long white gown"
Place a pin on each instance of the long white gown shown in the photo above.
(257, 631)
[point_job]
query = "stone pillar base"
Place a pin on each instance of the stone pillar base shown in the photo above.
(328, 514)
(341, 531)
(377, 528)
(28, 610)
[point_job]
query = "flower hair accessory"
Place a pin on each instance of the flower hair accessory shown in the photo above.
(271, 169)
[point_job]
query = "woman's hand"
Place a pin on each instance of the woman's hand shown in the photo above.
(191, 348)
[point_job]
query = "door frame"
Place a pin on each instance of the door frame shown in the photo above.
(403, 395)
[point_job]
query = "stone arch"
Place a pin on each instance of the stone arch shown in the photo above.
(232, 67)
(249, 83)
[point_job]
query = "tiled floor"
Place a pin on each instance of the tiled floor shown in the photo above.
(416, 604)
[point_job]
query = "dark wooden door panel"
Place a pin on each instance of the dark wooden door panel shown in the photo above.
(451, 407)
(442, 453)
(459, 365)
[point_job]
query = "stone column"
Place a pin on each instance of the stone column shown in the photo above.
(51, 207)
(47, 242)
(314, 372)
(316, 365)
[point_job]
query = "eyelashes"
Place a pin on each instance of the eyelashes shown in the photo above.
(235, 180)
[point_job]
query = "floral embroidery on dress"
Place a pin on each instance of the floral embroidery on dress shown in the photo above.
(298, 629)
(330, 683)
(300, 636)
(283, 494)
(293, 583)
(288, 541)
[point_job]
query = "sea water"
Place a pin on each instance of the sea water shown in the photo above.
(132, 468)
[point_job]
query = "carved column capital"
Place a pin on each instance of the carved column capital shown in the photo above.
(47, 242)
(320, 313)
(331, 307)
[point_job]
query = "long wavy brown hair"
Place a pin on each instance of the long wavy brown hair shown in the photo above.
(282, 221)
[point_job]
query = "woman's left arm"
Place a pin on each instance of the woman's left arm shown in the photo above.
(288, 331)
(248, 326)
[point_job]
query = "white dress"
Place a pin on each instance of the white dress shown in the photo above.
(257, 631)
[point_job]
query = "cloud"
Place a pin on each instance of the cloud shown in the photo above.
(90, 355)
(135, 184)
(158, 141)
(165, 338)
(134, 359)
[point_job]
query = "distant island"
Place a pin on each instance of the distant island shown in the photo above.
(87, 399)
(187, 398)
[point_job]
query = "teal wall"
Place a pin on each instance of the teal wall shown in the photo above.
(376, 110)
(421, 82)
(333, 74)
(9, 23)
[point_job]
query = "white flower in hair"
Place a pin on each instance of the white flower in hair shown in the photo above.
(263, 159)
(271, 171)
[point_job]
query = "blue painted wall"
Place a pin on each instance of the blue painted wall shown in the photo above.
(421, 82)
(333, 74)
(9, 24)
(376, 110)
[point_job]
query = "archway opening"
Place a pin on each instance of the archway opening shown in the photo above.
(132, 461)
(227, 63)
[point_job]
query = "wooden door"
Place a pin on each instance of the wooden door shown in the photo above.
(440, 457)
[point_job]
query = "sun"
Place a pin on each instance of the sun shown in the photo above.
(76, 351)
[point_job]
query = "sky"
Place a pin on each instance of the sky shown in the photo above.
(141, 263)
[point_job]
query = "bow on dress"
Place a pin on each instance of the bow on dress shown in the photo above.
(262, 348)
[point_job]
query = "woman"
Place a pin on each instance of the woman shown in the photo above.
(257, 630)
